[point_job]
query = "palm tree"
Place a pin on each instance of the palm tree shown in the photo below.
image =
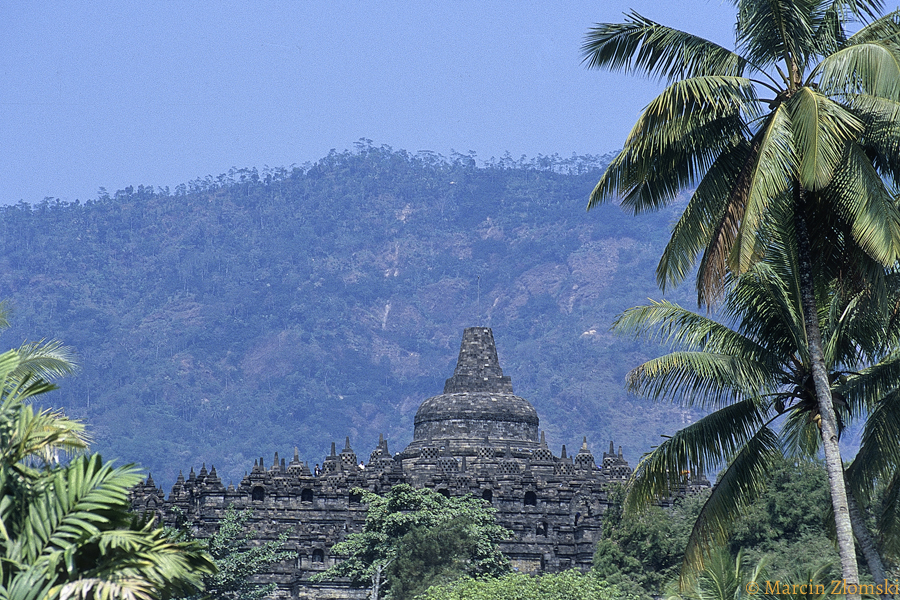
(66, 530)
(723, 578)
(755, 371)
(802, 117)
(875, 471)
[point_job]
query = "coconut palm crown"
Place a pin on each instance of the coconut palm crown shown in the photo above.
(801, 122)
(798, 103)
(752, 370)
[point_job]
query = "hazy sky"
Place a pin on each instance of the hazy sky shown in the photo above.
(124, 93)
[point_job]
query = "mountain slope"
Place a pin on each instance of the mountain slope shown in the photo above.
(256, 312)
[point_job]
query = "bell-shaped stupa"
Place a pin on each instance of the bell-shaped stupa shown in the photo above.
(478, 406)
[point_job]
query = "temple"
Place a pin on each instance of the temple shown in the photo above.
(477, 437)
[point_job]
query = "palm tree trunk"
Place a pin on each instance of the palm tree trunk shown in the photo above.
(828, 423)
(866, 543)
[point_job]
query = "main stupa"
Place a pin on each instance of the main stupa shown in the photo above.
(476, 438)
(477, 409)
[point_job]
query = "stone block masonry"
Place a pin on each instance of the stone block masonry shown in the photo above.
(476, 438)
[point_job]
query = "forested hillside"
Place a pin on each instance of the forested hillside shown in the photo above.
(258, 311)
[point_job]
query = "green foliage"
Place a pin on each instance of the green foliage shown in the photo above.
(642, 553)
(799, 104)
(238, 559)
(66, 530)
(786, 528)
(429, 555)
(568, 585)
(723, 577)
(739, 577)
(788, 524)
(755, 371)
(794, 128)
(415, 538)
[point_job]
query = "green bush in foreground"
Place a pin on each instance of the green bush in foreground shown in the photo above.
(414, 539)
(568, 585)
(238, 557)
(66, 529)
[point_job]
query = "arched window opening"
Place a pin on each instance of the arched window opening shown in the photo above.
(355, 497)
(530, 498)
(259, 493)
(318, 556)
(444, 492)
(542, 529)
(488, 495)
(306, 495)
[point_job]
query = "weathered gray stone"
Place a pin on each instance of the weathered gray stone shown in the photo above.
(476, 438)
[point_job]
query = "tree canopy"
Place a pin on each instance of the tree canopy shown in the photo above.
(237, 559)
(755, 373)
(568, 585)
(415, 538)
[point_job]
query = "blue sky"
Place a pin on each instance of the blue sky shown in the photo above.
(110, 94)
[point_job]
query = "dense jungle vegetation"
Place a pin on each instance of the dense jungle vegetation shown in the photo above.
(258, 311)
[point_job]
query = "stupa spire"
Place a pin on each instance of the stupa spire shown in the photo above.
(478, 369)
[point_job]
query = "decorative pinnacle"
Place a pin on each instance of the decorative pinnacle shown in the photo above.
(478, 369)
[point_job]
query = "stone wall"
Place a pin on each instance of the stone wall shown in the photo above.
(476, 438)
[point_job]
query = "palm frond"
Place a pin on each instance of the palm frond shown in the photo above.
(800, 434)
(872, 384)
(36, 436)
(705, 99)
(822, 130)
(718, 365)
(699, 447)
(870, 67)
(886, 29)
(149, 554)
(842, 330)
(641, 45)
(95, 588)
(48, 360)
(741, 483)
(766, 303)
(29, 584)
(699, 378)
(888, 521)
(676, 326)
(769, 178)
(768, 31)
(861, 196)
(879, 452)
(5, 311)
(86, 492)
(882, 132)
(675, 141)
(831, 35)
(710, 221)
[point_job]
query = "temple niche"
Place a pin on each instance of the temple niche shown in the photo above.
(477, 437)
